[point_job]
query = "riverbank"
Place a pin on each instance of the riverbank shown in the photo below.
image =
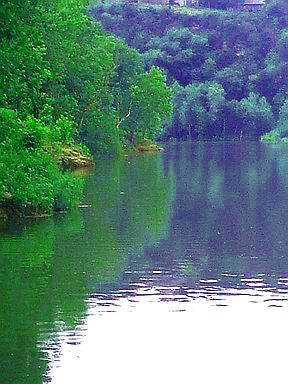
(228, 77)
(144, 146)
(37, 183)
(69, 86)
(68, 161)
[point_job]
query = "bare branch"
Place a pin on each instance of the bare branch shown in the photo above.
(125, 117)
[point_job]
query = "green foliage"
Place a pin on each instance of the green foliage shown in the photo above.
(278, 10)
(64, 70)
(255, 115)
(201, 111)
(281, 131)
(64, 130)
(103, 138)
(282, 125)
(63, 81)
(233, 81)
(243, 52)
(220, 4)
(179, 52)
(23, 69)
(32, 183)
(150, 104)
(283, 45)
(198, 111)
(270, 137)
(28, 133)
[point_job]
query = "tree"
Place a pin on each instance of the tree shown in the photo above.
(198, 111)
(150, 105)
(255, 116)
(283, 45)
(232, 80)
(64, 81)
(180, 52)
(282, 124)
(278, 9)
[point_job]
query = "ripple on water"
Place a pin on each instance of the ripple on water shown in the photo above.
(210, 291)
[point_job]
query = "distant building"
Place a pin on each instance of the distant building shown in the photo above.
(161, 2)
(253, 5)
(181, 3)
(192, 3)
(187, 3)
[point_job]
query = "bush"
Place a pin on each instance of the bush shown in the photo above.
(31, 183)
(255, 115)
(282, 124)
(270, 137)
(29, 133)
(64, 130)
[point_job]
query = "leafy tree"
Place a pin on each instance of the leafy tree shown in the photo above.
(278, 9)
(64, 80)
(180, 52)
(244, 52)
(282, 124)
(283, 45)
(270, 79)
(198, 111)
(233, 81)
(220, 4)
(150, 105)
(255, 116)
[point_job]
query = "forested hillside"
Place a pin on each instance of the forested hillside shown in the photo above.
(67, 84)
(64, 83)
(228, 70)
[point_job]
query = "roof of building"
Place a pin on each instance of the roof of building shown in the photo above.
(254, 2)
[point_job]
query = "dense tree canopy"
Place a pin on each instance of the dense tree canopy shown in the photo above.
(242, 56)
(220, 4)
(64, 82)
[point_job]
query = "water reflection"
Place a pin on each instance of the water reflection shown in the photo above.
(47, 268)
(166, 253)
(32, 302)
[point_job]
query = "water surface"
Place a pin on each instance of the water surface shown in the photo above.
(175, 270)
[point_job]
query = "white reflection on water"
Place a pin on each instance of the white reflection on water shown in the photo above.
(145, 339)
(208, 301)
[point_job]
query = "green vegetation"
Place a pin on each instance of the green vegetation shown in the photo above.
(68, 87)
(228, 69)
(220, 4)
(281, 130)
(65, 82)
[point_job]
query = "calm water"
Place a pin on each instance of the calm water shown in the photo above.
(175, 270)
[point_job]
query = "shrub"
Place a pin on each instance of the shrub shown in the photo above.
(270, 137)
(64, 130)
(31, 182)
(282, 124)
(29, 133)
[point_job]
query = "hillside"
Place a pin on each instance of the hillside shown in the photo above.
(67, 88)
(228, 70)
